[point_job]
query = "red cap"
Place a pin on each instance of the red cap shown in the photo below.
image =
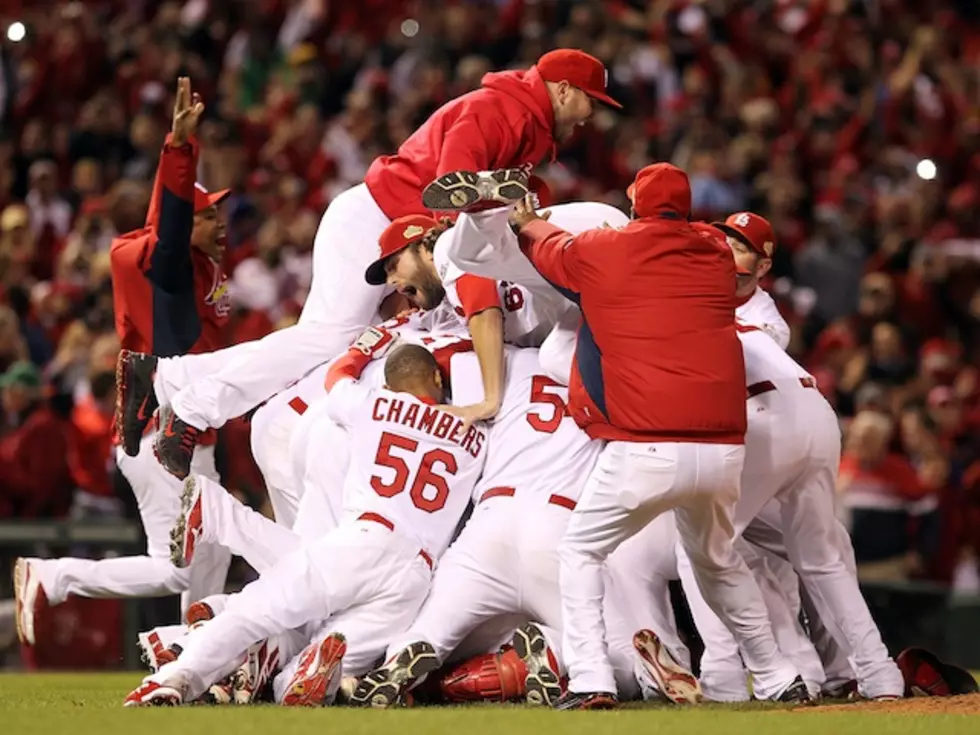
(204, 199)
(751, 229)
(717, 237)
(660, 187)
(397, 236)
(578, 69)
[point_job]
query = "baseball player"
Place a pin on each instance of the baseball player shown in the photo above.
(516, 119)
(792, 453)
(170, 298)
(675, 418)
(413, 467)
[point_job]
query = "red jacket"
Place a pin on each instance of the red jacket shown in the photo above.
(508, 122)
(657, 358)
(35, 479)
(169, 297)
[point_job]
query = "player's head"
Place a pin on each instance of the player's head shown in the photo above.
(406, 260)
(412, 369)
(208, 234)
(752, 242)
(574, 81)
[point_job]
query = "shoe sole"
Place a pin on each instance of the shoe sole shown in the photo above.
(541, 684)
(181, 543)
(128, 415)
(313, 690)
(163, 697)
(676, 683)
(181, 473)
(24, 601)
(460, 190)
(383, 687)
(599, 702)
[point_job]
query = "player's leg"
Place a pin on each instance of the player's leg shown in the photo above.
(320, 451)
(271, 430)
(152, 575)
(811, 533)
(212, 518)
(645, 648)
(706, 531)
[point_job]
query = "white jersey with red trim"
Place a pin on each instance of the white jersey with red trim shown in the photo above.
(764, 359)
(535, 445)
(410, 462)
(528, 317)
(761, 311)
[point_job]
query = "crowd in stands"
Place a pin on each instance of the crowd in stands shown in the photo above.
(853, 125)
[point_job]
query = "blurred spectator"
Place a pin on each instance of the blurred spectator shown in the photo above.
(35, 480)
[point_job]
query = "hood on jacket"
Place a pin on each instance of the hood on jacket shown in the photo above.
(528, 88)
(660, 187)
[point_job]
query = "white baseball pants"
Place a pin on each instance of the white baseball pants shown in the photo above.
(367, 580)
(158, 498)
(631, 485)
(341, 304)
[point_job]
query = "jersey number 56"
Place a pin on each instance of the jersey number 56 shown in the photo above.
(425, 477)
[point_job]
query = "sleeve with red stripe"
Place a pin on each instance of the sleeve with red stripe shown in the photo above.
(477, 294)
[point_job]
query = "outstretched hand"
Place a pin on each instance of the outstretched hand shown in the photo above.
(524, 212)
(471, 414)
(188, 109)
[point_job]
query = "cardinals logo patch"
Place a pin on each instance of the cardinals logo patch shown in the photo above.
(413, 231)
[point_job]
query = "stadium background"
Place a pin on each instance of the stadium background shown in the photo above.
(853, 125)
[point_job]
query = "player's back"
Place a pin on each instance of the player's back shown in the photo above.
(535, 445)
(765, 359)
(410, 462)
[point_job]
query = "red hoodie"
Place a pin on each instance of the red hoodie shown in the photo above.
(657, 358)
(508, 122)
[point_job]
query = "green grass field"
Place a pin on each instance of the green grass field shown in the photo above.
(86, 704)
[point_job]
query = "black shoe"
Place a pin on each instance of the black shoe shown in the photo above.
(174, 443)
(460, 190)
(587, 700)
(135, 399)
(386, 686)
(795, 693)
(541, 685)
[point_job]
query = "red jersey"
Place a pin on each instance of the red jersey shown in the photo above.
(169, 298)
(508, 122)
(657, 357)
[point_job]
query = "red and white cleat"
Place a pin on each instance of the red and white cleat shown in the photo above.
(318, 678)
(29, 600)
(186, 533)
(197, 613)
(676, 683)
(150, 694)
(250, 679)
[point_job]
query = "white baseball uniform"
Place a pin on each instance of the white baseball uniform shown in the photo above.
(505, 560)
(412, 470)
(792, 455)
(157, 495)
(760, 311)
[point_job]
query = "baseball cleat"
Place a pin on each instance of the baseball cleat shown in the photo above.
(461, 190)
(386, 686)
(150, 693)
(542, 685)
(135, 398)
(318, 677)
(249, 681)
(795, 693)
(587, 700)
(674, 681)
(152, 651)
(186, 534)
(220, 693)
(174, 443)
(29, 599)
